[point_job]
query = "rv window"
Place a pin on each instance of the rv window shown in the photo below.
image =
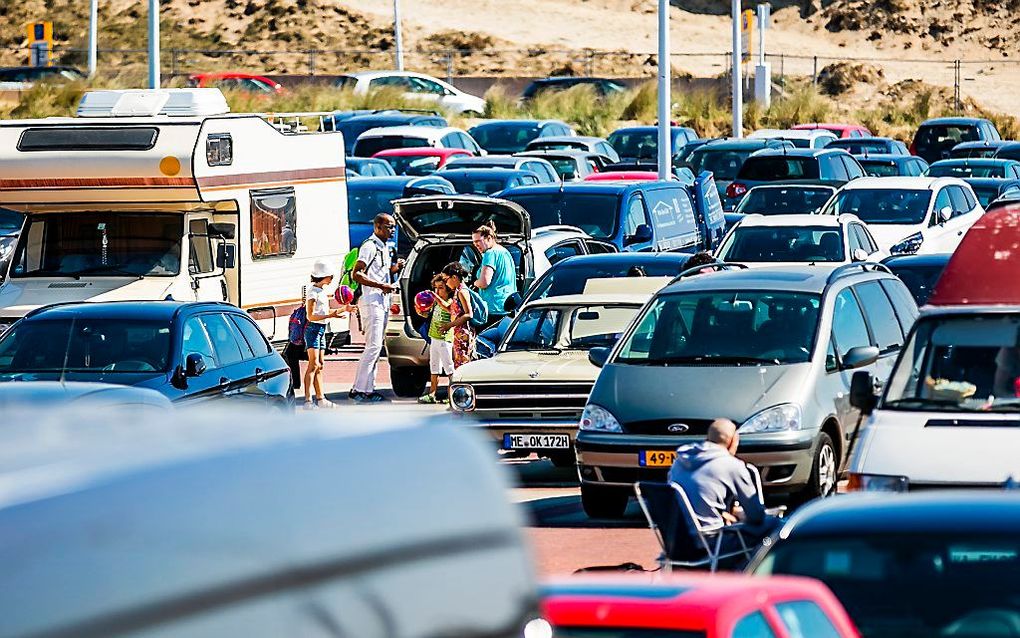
(200, 257)
(100, 138)
(219, 149)
(273, 223)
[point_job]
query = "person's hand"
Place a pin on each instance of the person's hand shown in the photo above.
(729, 518)
(444, 327)
(387, 288)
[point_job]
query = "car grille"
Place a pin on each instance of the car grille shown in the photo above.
(696, 427)
(532, 401)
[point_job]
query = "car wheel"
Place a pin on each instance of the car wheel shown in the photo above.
(408, 381)
(824, 471)
(563, 459)
(604, 502)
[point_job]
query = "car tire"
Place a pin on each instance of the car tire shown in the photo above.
(824, 471)
(408, 381)
(604, 502)
(563, 459)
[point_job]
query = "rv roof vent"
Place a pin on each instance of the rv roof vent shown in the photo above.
(151, 102)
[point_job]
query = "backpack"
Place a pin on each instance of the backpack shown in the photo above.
(479, 311)
(296, 326)
(347, 278)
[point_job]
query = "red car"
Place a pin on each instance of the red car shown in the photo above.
(623, 176)
(839, 130)
(982, 270)
(420, 161)
(240, 81)
(696, 606)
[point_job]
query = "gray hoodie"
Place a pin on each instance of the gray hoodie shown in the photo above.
(713, 480)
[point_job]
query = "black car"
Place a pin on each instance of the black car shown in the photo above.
(980, 167)
(506, 137)
(892, 165)
(870, 146)
(909, 565)
(354, 123)
(602, 86)
(919, 273)
(977, 149)
(935, 138)
(834, 167)
(186, 351)
(29, 74)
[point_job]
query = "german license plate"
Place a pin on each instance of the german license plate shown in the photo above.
(656, 458)
(535, 441)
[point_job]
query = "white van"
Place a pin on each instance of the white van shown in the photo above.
(155, 194)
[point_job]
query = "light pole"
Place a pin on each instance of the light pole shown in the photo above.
(738, 98)
(398, 40)
(93, 19)
(665, 74)
(153, 44)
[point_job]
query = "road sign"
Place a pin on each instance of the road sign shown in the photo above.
(746, 33)
(40, 43)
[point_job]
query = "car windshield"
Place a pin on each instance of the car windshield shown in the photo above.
(915, 585)
(959, 364)
(855, 147)
(365, 203)
(76, 344)
(641, 144)
(919, 280)
(966, 170)
(881, 205)
(769, 168)
(367, 147)
(724, 328)
(570, 277)
(783, 200)
(566, 328)
(412, 165)
(594, 213)
(876, 168)
(100, 243)
(505, 138)
(784, 243)
(723, 163)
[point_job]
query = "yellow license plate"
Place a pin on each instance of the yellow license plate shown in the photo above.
(656, 458)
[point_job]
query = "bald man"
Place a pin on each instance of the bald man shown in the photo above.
(714, 480)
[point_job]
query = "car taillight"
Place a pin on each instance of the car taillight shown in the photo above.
(735, 189)
(913, 149)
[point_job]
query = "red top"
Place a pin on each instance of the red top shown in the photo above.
(210, 79)
(840, 130)
(623, 176)
(983, 270)
(713, 604)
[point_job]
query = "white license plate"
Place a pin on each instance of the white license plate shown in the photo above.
(535, 441)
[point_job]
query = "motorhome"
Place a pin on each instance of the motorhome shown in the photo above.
(157, 194)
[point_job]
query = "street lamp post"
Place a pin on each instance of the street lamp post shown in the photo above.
(738, 97)
(154, 44)
(397, 38)
(665, 73)
(93, 19)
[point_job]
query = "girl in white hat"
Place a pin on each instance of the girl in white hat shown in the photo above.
(317, 311)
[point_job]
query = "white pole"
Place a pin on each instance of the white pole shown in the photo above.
(738, 98)
(153, 44)
(93, 20)
(398, 39)
(665, 78)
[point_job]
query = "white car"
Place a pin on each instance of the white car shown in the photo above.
(384, 138)
(416, 86)
(800, 138)
(770, 240)
(910, 215)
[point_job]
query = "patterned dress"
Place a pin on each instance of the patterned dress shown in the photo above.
(463, 336)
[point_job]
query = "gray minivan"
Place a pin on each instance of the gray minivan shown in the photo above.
(772, 349)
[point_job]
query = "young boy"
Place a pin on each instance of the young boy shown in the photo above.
(441, 345)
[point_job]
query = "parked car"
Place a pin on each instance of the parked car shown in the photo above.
(187, 351)
(690, 606)
(576, 142)
(938, 564)
(369, 196)
(353, 124)
(870, 146)
(841, 131)
(603, 87)
(10, 229)
(892, 165)
(977, 149)
(723, 158)
(488, 181)
(989, 189)
(919, 273)
(935, 138)
(419, 161)
(391, 137)
(910, 215)
(25, 76)
(506, 137)
(441, 239)
(981, 167)
(237, 81)
(826, 166)
(529, 395)
(415, 86)
(1008, 150)
(569, 164)
(368, 167)
(760, 240)
(800, 138)
(642, 142)
(792, 333)
(682, 154)
(538, 165)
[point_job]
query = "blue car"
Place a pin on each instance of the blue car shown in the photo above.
(506, 137)
(979, 167)
(723, 158)
(369, 196)
(977, 149)
(186, 351)
(989, 189)
(354, 123)
(488, 181)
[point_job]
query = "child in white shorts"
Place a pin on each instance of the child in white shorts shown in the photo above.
(441, 345)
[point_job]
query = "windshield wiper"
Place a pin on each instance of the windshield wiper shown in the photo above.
(98, 270)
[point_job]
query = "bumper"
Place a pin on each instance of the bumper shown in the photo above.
(402, 349)
(612, 459)
(496, 429)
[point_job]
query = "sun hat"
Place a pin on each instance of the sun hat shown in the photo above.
(322, 268)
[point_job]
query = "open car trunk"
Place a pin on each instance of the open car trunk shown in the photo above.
(460, 215)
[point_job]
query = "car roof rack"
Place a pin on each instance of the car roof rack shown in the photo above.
(714, 267)
(847, 269)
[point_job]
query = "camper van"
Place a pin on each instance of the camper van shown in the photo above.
(163, 194)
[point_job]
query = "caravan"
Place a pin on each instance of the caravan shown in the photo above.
(161, 194)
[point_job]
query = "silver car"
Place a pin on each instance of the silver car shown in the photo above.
(772, 349)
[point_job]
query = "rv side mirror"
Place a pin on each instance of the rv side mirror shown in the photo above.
(859, 357)
(641, 234)
(226, 256)
(194, 365)
(512, 303)
(222, 229)
(862, 392)
(945, 214)
(860, 254)
(599, 356)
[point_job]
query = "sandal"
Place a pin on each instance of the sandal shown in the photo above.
(428, 399)
(310, 405)
(325, 404)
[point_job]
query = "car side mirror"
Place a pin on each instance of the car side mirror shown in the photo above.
(599, 356)
(859, 357)
(226, 256)
(641, 234)
(194, 365)
(512, 303)
(860, 254)
(862, 392)
(222, 229)
(945, 213)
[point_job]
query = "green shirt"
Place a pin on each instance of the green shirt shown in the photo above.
(440, 315)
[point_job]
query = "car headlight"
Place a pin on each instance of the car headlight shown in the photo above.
(598, 419)
(877, 483)
(781, 418)
(909, 245)
(462, 397)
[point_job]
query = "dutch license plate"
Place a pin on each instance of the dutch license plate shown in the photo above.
(535, 441)
(656, 458)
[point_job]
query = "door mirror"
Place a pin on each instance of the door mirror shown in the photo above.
(194, 365)
(221, 229)
(860, 254)
(945, 214)
(226, 256)
(599, 356)
(859, 357)
(642, 234)
(512, 303)
(862, 392)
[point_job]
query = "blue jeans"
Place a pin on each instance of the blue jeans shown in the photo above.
(315, 335)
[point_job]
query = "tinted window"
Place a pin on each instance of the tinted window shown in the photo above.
(884, 325)
(882, 168)
(833, 168)
(906, 298)
(724, 164)
(569, 278)
(805, 619)
(106, 138)
(939, 169)
(10, 221)
(752, 626)
(959, 200)
(595, 214)
(367, 147)
(776, 167)
(560, 252)
(273, 223)
(105, 345)
(505, 137)
(196, 340)
(969, 197)
(784, 243)
(944, 137)
(853, 169)
(783, 200)
(256, 342)
(881, 206)
(224, 338)
(848, 327)
(860, 147)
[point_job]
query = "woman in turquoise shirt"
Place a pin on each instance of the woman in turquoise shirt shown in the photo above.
(497, 274)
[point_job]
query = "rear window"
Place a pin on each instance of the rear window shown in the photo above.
(881, 168)
(506, 138)
(966, 170)
(723, 163)
(775, 167)
(942, 136)
(856, 147)
(370, 146)
(99, 138)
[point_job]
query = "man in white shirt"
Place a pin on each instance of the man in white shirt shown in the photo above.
(374, 271)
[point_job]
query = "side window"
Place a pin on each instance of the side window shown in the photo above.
(903, 303)
(805, 619)
(831, 360)
(605, 149)
(971, 198)
(884, 325)
(559, 252)
(834, 168)
(273, 223)
(468, 142)
(868, 240)
(855, 238)
(195, 340)
(853, 169)
(959, 200)
(224, 338)
(451, 140)
(253, 337)
(200, 257)
(752, 626)
(848, 326)
(942, 200)
(636, 216)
